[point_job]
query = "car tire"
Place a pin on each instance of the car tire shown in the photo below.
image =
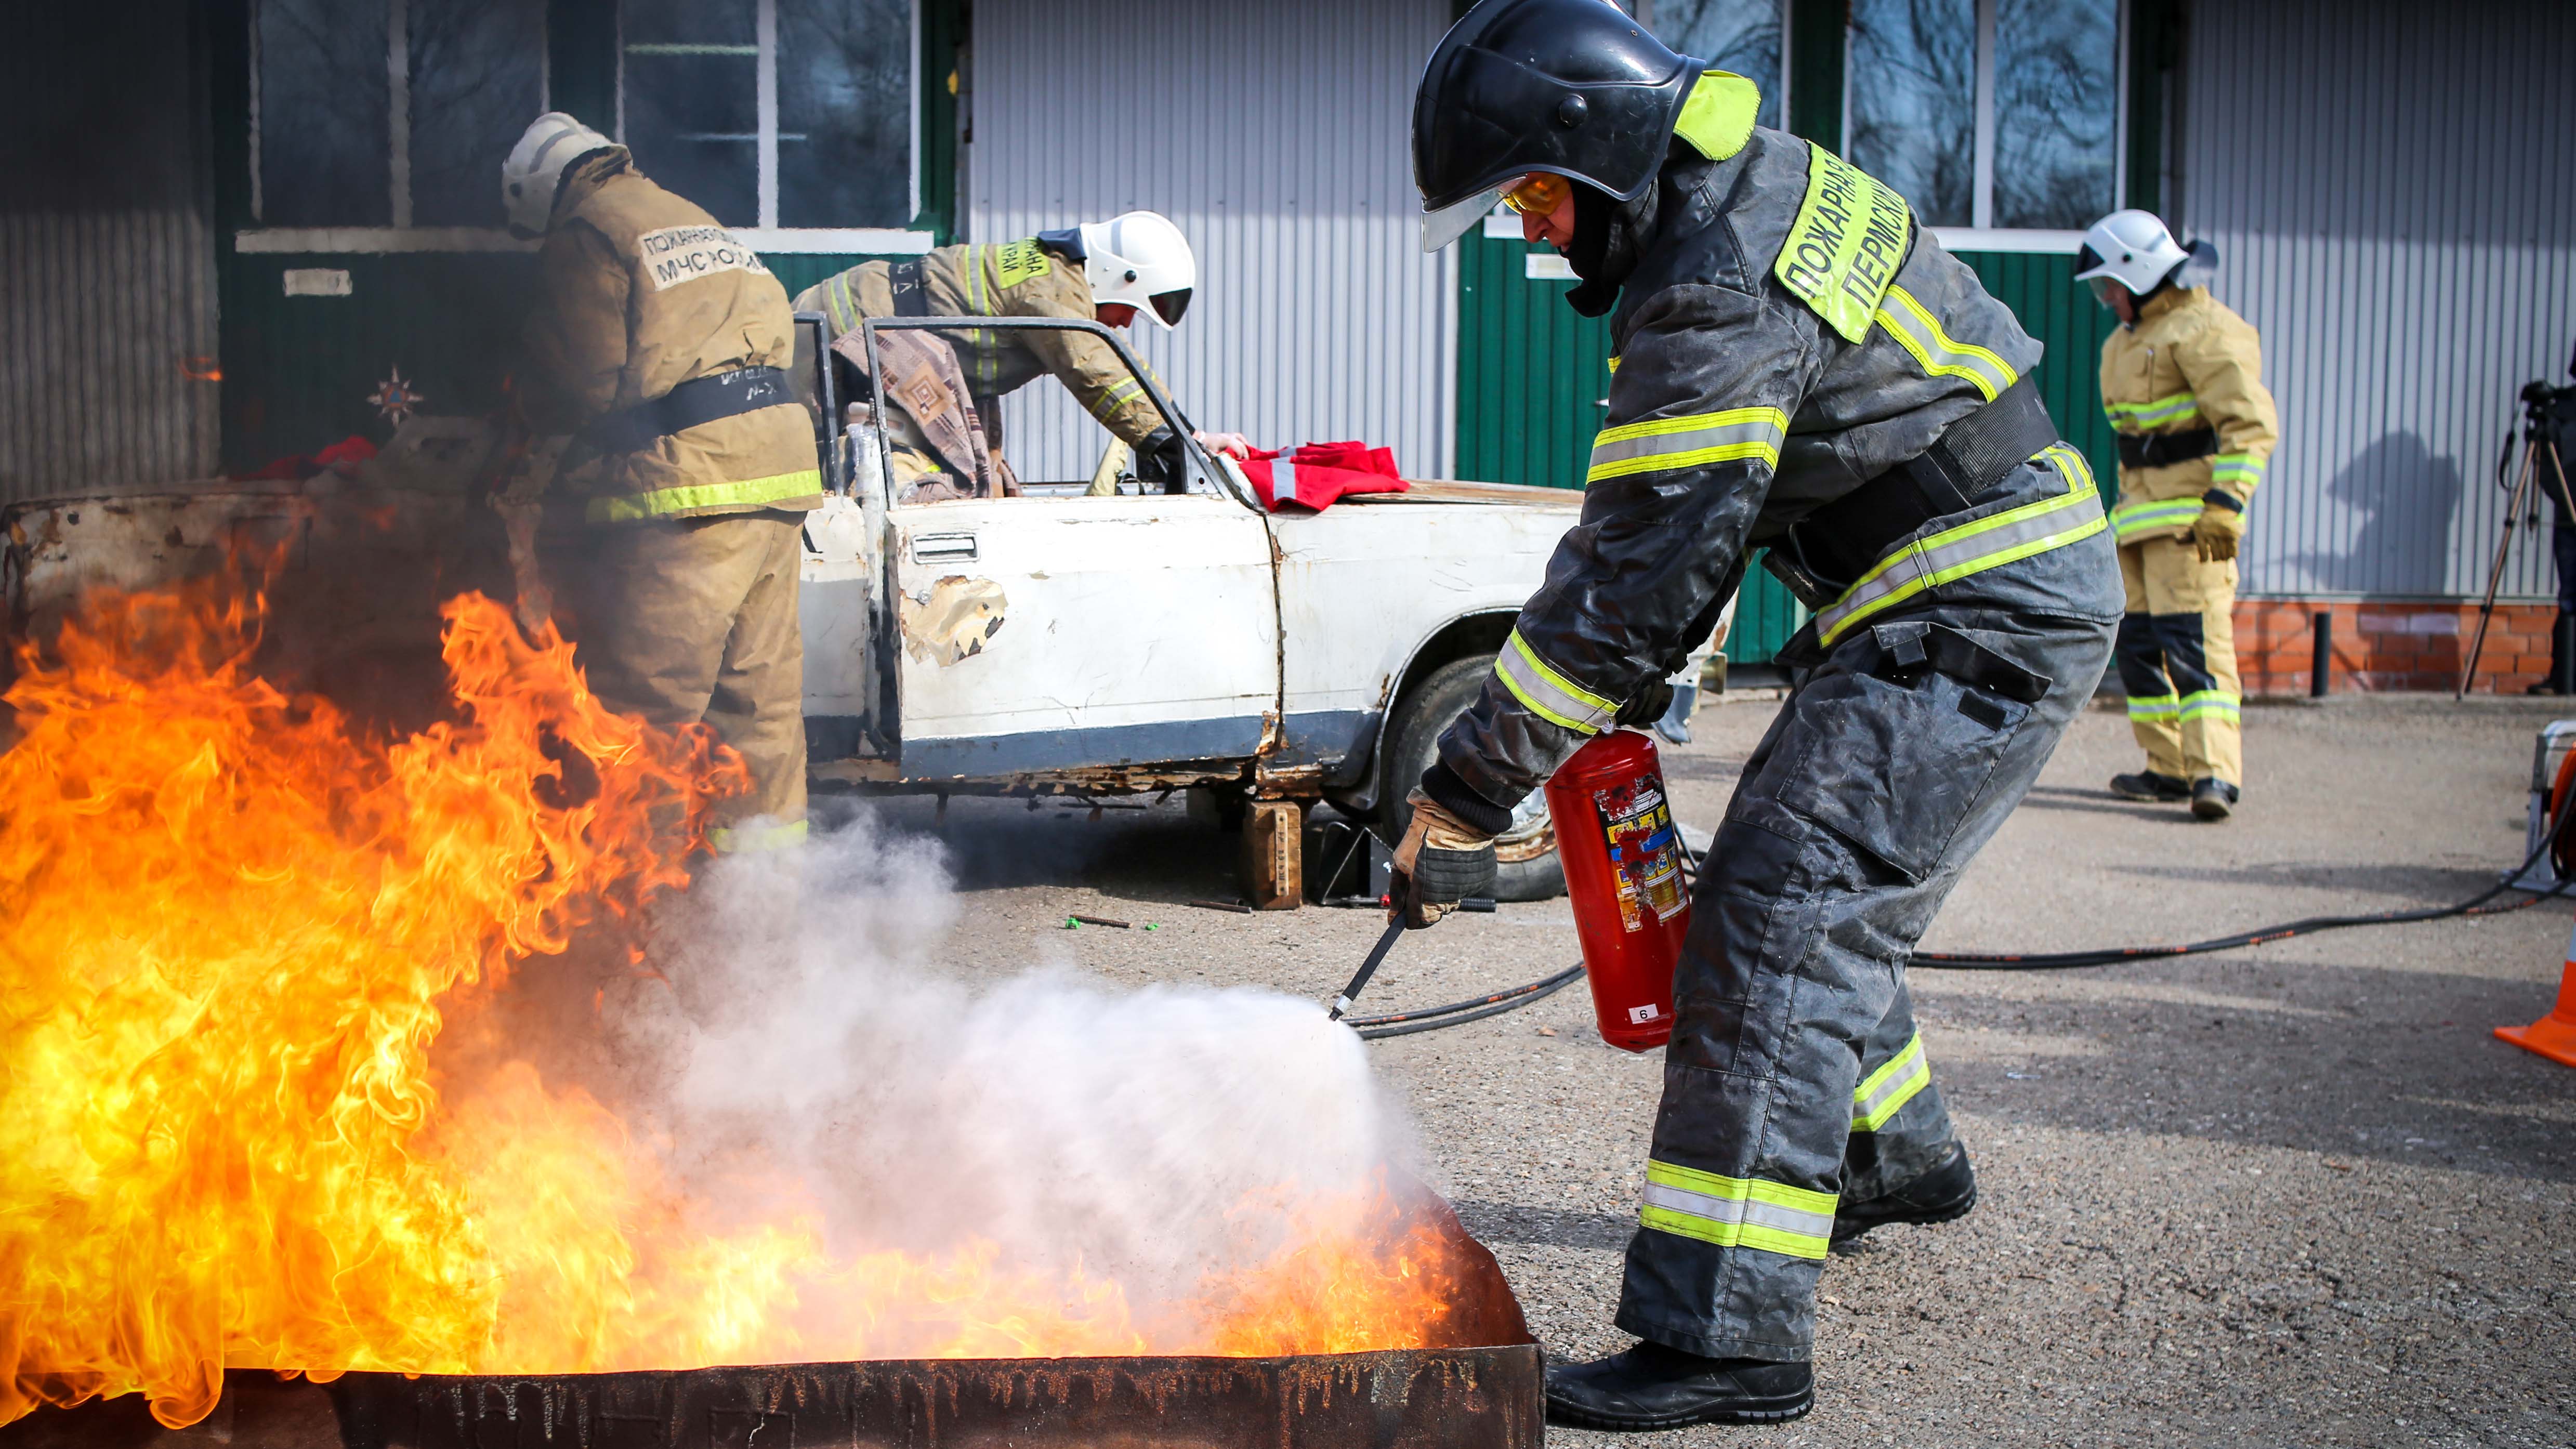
(1412, 740)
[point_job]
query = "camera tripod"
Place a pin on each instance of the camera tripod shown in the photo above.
(2539, 447)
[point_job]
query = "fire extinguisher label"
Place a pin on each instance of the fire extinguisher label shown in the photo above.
(1640, 1015)
(1645, 852)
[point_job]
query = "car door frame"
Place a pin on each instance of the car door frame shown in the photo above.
(1196, 467)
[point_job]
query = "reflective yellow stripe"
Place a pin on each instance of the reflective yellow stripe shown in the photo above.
(1614, 362)
(1919, 333)
(1663, 445)
(1886, 1091)
(2131, 520)
(2209, 702)
(2137, 417)
(845, 307)
(754, 839)
(1114, 395)
(2229, 468)
(2154, 707)
(1738, 1212)
(664, 502)
(1548, 694)
(1972, 548)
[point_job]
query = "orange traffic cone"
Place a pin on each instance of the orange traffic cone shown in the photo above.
(2554, 1035)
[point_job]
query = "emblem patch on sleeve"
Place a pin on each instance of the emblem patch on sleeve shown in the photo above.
(677, 254)
(1016, 262)
(1848, 241)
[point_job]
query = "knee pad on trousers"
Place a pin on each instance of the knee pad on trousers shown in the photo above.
(2186, 652)
(2141, 657)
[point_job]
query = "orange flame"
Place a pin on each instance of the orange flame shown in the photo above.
(235, 928)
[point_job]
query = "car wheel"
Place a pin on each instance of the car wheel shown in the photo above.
(1527, 868)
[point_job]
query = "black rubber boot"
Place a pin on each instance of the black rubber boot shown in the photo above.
(2148, 785)
(1654, 1387)
(1945, 1194)
(2213, 799)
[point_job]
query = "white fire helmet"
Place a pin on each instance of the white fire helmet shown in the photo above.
(1141, 259)
(535, 169)
(2132, 248)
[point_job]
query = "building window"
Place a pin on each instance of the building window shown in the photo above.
(1743, 36)
(393, 114)
(390, 118)
(775, 113)
(1999, 114)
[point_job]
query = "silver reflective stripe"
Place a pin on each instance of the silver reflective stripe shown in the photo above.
(1885, 1092)
(1919, 332)
(2131, 519)
(1740, 1211)
(1990, 542)
(1660, 445)
(1545, 692)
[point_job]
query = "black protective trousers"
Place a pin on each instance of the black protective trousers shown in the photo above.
(1795, 1077)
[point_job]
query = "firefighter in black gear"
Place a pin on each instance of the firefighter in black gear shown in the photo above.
(1799, 368)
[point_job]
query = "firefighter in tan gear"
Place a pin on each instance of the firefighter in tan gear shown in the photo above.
(657, 342)
(2182, 381)
(1105, 271)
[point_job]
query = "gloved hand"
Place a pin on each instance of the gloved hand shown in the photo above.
(2218, 528)
(1443, 860)
(1651, 703)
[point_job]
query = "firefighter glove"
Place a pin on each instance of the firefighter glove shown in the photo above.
(1651, 703)
(2220, 525)
(1443, 860)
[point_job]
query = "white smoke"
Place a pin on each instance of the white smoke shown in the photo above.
(799, 1021)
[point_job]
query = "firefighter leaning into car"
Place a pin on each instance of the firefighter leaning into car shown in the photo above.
(1105, 271)
(657, 342)
(2182, 381)
(1800, 367)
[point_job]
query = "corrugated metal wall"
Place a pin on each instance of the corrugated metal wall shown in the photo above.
(107, 297)
(1275, 135)
(2392, 187)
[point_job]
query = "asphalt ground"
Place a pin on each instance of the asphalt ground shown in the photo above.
(2289, 1195)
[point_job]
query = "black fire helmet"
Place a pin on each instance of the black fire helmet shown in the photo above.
(1576, 87)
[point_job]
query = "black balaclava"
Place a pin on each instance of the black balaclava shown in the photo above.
(1609, 236)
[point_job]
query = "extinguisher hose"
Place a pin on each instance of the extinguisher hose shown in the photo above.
(1456, 1013)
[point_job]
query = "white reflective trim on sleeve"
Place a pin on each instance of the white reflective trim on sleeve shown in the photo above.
(1663, 445)
(1545, 692)
(1919, 332)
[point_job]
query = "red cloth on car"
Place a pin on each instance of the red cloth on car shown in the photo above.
(352, 450)
(1317, 473)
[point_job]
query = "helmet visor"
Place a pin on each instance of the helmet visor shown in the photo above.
(1170, 305)
(2088, 264)
(1440, 228)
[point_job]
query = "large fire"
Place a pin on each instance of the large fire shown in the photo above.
(235, 926)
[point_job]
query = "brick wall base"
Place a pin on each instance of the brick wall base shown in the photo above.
(2391, 646)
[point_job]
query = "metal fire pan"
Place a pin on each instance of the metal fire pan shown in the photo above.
(1487, 1396)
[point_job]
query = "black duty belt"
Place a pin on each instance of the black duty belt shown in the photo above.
(911, 297)
(1838, 542)
(2155, 450)
(699, 400)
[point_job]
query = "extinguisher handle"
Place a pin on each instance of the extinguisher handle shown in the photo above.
(1368, 968)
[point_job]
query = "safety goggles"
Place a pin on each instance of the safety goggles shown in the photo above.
(1539, 194)
(1536, 194)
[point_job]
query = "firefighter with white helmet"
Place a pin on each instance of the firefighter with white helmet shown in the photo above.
(2182, 381)
(1110, 271)
(657, 342)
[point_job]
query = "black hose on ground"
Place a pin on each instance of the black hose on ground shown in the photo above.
(1458, 1013)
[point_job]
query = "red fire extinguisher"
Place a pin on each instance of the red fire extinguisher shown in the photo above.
(1623, 869)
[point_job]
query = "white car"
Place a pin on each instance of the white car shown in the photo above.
(1167, 634)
